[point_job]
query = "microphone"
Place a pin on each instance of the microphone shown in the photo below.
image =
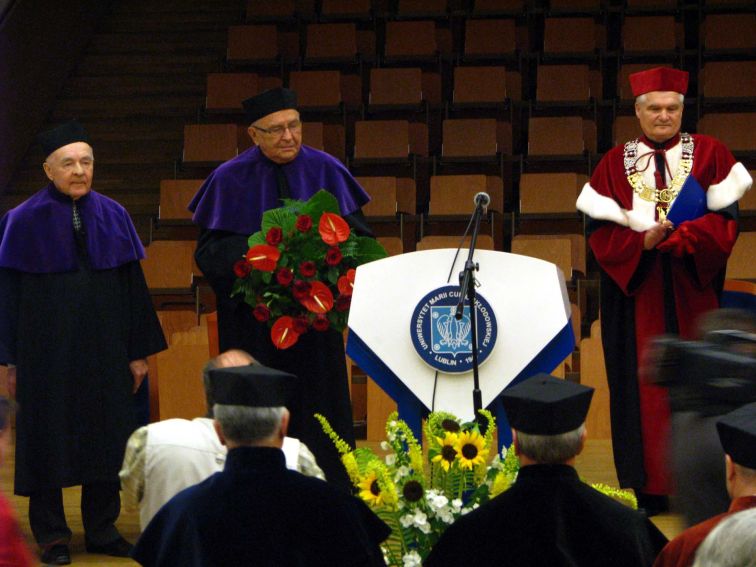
(482, 200)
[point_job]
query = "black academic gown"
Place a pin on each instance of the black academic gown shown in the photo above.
(318, 358)
(72, 336)
(549, 518)
(257, 512)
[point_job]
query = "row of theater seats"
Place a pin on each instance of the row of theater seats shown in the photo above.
(427, 41)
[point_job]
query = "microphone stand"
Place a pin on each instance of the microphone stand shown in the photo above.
(467, 291)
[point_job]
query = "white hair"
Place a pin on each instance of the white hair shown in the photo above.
(551, 449)
(642, 99)
(246, 425)
(731, 544)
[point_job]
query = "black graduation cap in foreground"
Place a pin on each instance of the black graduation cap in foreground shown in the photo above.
(737, 433)
(254, 386)
(544, 405)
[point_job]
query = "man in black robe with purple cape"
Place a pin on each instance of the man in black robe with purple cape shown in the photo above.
(76, 327)
(229, 208)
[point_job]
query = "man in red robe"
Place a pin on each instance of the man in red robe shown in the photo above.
(656, 277)
(737, 433)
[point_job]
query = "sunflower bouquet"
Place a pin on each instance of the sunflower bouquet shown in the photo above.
(420, 494)
(299, 270)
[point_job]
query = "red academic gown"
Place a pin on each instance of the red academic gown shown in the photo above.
(648, 293)
(681, 551)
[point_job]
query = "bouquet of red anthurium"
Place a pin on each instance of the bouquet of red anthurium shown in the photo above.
(299, 270)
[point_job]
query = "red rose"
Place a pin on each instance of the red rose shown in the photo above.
(304, 223)
(274, 236)
(321, 323)
(300, 289)
(300, 325)
(261, 312)
(242, 268)
(343, 302)
(284, 276)
(333, 256)
(263, 258)
(333, 229)
(307, 269)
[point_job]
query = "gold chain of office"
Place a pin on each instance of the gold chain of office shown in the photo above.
(648, 193)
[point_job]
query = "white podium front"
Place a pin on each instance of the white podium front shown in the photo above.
(532, 331)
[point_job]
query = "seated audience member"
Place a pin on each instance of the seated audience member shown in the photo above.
(256, 511)
(165, 457)
(731, 544)
(737, 433)
(13, 549)
(549, 517)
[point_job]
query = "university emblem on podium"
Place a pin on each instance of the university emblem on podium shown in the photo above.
(445, 342)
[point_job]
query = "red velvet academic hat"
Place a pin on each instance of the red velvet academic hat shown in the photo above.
(659, 79)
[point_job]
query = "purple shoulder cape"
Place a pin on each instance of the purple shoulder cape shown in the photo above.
(38, 237)
(235, 196)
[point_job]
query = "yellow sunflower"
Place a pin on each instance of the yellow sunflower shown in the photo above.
(370, 491)
(448, 452)
(470, 447)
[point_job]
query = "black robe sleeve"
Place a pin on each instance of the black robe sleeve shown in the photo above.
(8, 315)
(145, 333)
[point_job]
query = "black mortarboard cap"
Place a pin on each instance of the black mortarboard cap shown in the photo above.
(544, 405)
(254, 385)
(268, 102)
(737, 433)
(62, 135)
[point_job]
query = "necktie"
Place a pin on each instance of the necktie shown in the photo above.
(76, 218)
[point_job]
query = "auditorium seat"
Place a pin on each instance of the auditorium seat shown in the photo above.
(570, 38)
(175, 195)
(741, 264)
(318, 92)
(411, 41)
(560, 141)
(312, 135)
(728, 35)
(393, 246)
(490, 40)
(565, 85)
(479, 87)
(547, 203)
(210, 144)
(381, 140)
(736, 130)
(727, 82)
(331, 44)
(253, 44)
(624, 129)
(452, 202)
(169, 264)
(654, 38)
(484, 242)
(392, 200)
(226, 91)
(566, 251)
(396, 88)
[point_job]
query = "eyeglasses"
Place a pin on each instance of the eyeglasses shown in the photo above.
(278, 131)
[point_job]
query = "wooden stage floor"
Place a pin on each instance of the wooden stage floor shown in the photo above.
(594, 465)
